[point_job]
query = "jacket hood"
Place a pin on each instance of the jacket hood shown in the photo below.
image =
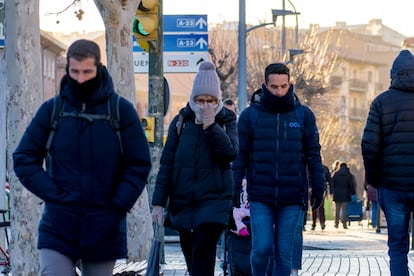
(402, 71)
(106, 87)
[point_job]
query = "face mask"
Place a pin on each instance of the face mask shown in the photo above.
(83, 91)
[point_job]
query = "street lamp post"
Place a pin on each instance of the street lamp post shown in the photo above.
(283, 13)
(242, 72)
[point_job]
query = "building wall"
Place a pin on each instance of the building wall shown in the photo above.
(49, 73)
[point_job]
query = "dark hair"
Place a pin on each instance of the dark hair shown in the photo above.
(276, 68)
(228, 102)
(82, 49)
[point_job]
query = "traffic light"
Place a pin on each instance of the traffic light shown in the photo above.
(145, 25)
(148, 123)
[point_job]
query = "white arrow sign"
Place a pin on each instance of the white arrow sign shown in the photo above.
(201, 23)
(201, 42)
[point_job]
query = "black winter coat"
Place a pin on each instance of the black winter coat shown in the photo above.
(195, 173)
(343, 185)
(278, 152)
(93, 185)
(387, 141)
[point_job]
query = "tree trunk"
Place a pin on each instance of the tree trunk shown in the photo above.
(24, 86)
(118, 17)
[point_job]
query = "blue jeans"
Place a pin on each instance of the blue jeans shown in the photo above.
(273, 228)
(298, 245)
(397, 206)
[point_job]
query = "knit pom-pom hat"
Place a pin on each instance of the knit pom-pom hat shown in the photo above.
(206, 82)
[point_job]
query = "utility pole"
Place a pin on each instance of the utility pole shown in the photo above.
(156, 111)
(283, 29)
(242, 72)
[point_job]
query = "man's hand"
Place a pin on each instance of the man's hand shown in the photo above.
(208, 115)
(316, 202)
(158, 215)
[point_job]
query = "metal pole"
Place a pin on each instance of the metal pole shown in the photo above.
(156, 110)
(297, 24)
(242, 72)
(283, 30)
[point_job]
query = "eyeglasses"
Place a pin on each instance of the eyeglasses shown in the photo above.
(203, 101)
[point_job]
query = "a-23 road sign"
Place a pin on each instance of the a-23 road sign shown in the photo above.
(186, 42)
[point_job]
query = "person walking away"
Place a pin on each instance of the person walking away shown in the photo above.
(195, 175)
(373, 203)
(343, 183)
(388, 153)
(320, 212)
(279, 143)
(229, 104)
(93, 176)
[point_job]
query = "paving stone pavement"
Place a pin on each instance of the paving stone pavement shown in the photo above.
(358, 250)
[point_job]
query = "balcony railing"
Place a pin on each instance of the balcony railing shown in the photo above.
(336, 80)
(358, 85)
(358, 114)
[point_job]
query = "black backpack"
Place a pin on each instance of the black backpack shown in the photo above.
(59, 111)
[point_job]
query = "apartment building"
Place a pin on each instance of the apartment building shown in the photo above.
(365, 54)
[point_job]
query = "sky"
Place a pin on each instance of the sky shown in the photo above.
(396, 14)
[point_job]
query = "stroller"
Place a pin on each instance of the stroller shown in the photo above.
(238, 250)
(238, 240)
(355, 210)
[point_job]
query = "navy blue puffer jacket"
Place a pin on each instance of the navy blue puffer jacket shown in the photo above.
(195, 173)
(274, 152)
(387, 142)
(93, 185)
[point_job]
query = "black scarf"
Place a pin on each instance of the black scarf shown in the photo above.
(83, 91)
(278, 104)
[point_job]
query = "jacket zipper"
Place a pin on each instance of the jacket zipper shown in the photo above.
(277, 152)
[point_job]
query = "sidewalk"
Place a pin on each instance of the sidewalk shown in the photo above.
(358, 250)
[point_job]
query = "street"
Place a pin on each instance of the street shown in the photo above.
(358, 250)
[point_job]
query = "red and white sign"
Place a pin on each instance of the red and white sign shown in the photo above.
(174, 62)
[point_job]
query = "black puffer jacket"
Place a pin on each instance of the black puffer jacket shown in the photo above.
(93, 184)
(276, 151)
(387, 142)
(343, 184)
(195, 173)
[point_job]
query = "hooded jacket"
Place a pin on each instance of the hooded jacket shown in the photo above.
(276, 152)
(387, 142)
(93, 184)
(195, 174)
(343, 184)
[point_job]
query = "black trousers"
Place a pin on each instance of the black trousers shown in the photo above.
(199, 248)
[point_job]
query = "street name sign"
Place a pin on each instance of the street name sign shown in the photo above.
(185, 44)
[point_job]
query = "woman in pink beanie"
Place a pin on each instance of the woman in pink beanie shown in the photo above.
(195, 176)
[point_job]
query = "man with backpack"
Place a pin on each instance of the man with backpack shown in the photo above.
(97, 164)
(279, 152)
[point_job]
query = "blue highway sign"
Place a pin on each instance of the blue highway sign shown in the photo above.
(186, 43)
(185, 23)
